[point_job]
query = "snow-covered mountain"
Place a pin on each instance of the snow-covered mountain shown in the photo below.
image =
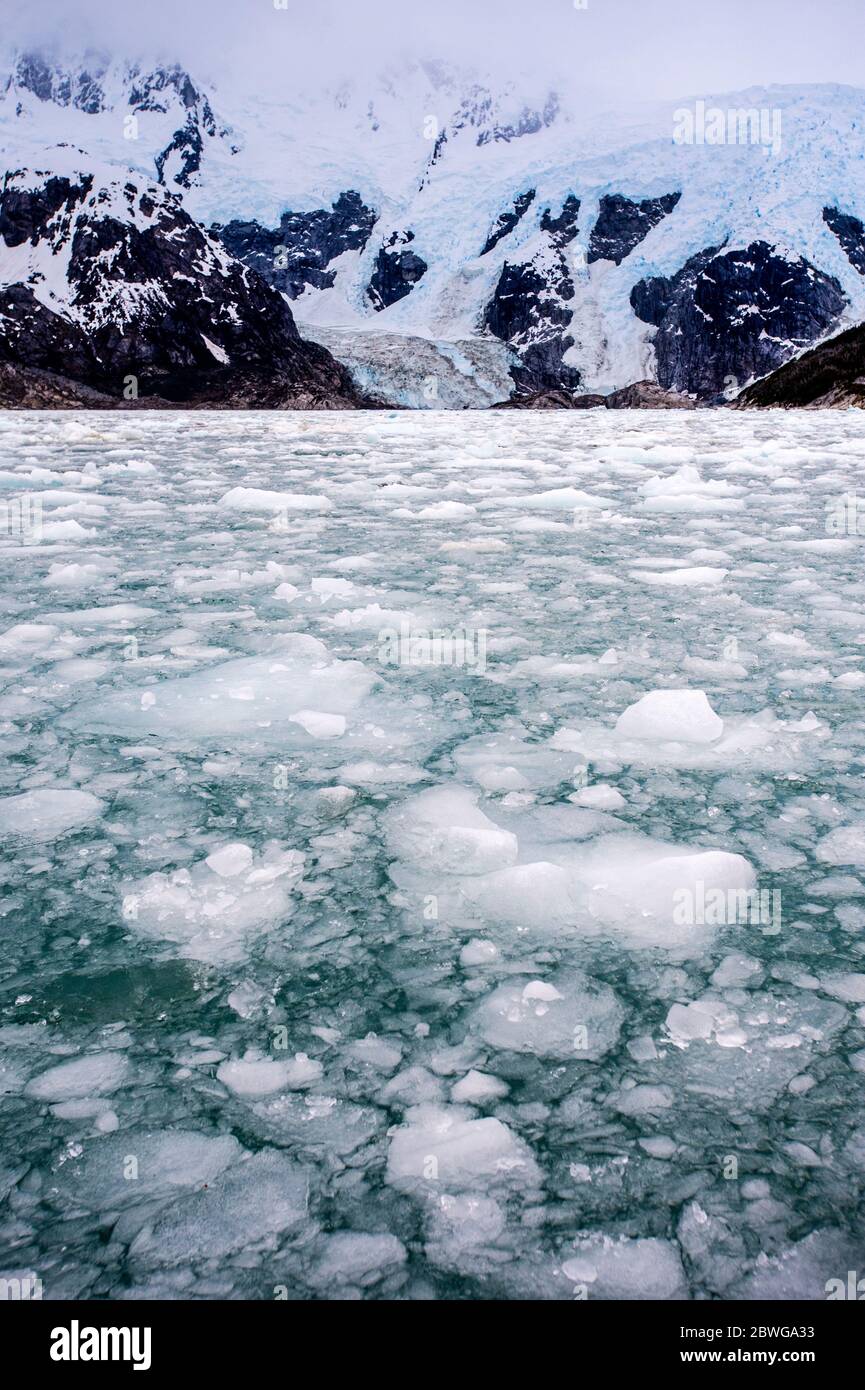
(106, 280)
(581, 251)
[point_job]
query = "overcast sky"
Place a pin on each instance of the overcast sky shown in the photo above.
(624, 50)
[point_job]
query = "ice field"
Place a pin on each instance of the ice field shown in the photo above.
(433, 855)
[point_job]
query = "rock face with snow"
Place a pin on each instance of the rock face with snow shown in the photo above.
(530, 307)
(396, 271)
(729, 316)
(110, 283)
(164, 99)
(301, 249)
(623, 223)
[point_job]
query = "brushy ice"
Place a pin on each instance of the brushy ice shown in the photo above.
(340, 964)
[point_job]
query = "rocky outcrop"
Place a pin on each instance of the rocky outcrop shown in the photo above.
(529, 313)
(829, 376)
(396, 273)
(850, 231)
(648, 395)
(642, 395)
(298, 252)
(530, 307)
(622, 224)
(564, 227)
(123, 292)
(551, 400)
(508, 220)
(729, 316)
(81, 88)
(30, 388)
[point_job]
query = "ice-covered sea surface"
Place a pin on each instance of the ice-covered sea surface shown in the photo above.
(434, 855)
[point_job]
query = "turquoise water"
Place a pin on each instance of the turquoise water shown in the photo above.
(344, 1060)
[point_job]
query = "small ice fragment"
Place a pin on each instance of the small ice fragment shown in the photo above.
(477, 1086)
(318, 724)
(683, 716)
(230, 860)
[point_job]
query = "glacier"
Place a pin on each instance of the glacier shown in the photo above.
(329, 973)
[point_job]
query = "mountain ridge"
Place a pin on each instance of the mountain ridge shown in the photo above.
(506, 215)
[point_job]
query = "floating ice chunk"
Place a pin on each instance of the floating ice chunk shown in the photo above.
(528, 895)
(253, 499)
(208, 916)
(334, 801)
(643, 1100)
(560, 499)
(844, 845)
(849, 988)
(255, 1201)
(580, 1024)
(355, 1257)
(124, 615)
(287, 592)
(316, 1124)
(813, 1270)
(447, 510)
(48, 813)
(460, 1225)
(688, 1021)
(329, 587)
(372, 618)
(737, 971)
(94, 1074)
(802, 1155)
(626, 1269)
(375, 1052)
(685, 491)
(414, 1086)
(599, 797)
(642, 1048)
(68, 530)
(740, 1061)
(249, 697)
(318, 724)
(443, 831)
(440, 1148)
(477, 1087)
(651, 892)
(256, 1075)
(716, 1252)
(541, 990)
(699, 576)
(370, 774)
(230, 860)
(682, 716)
(659, 1146)
(138, 1165)
(478, 952)
(25, 639)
